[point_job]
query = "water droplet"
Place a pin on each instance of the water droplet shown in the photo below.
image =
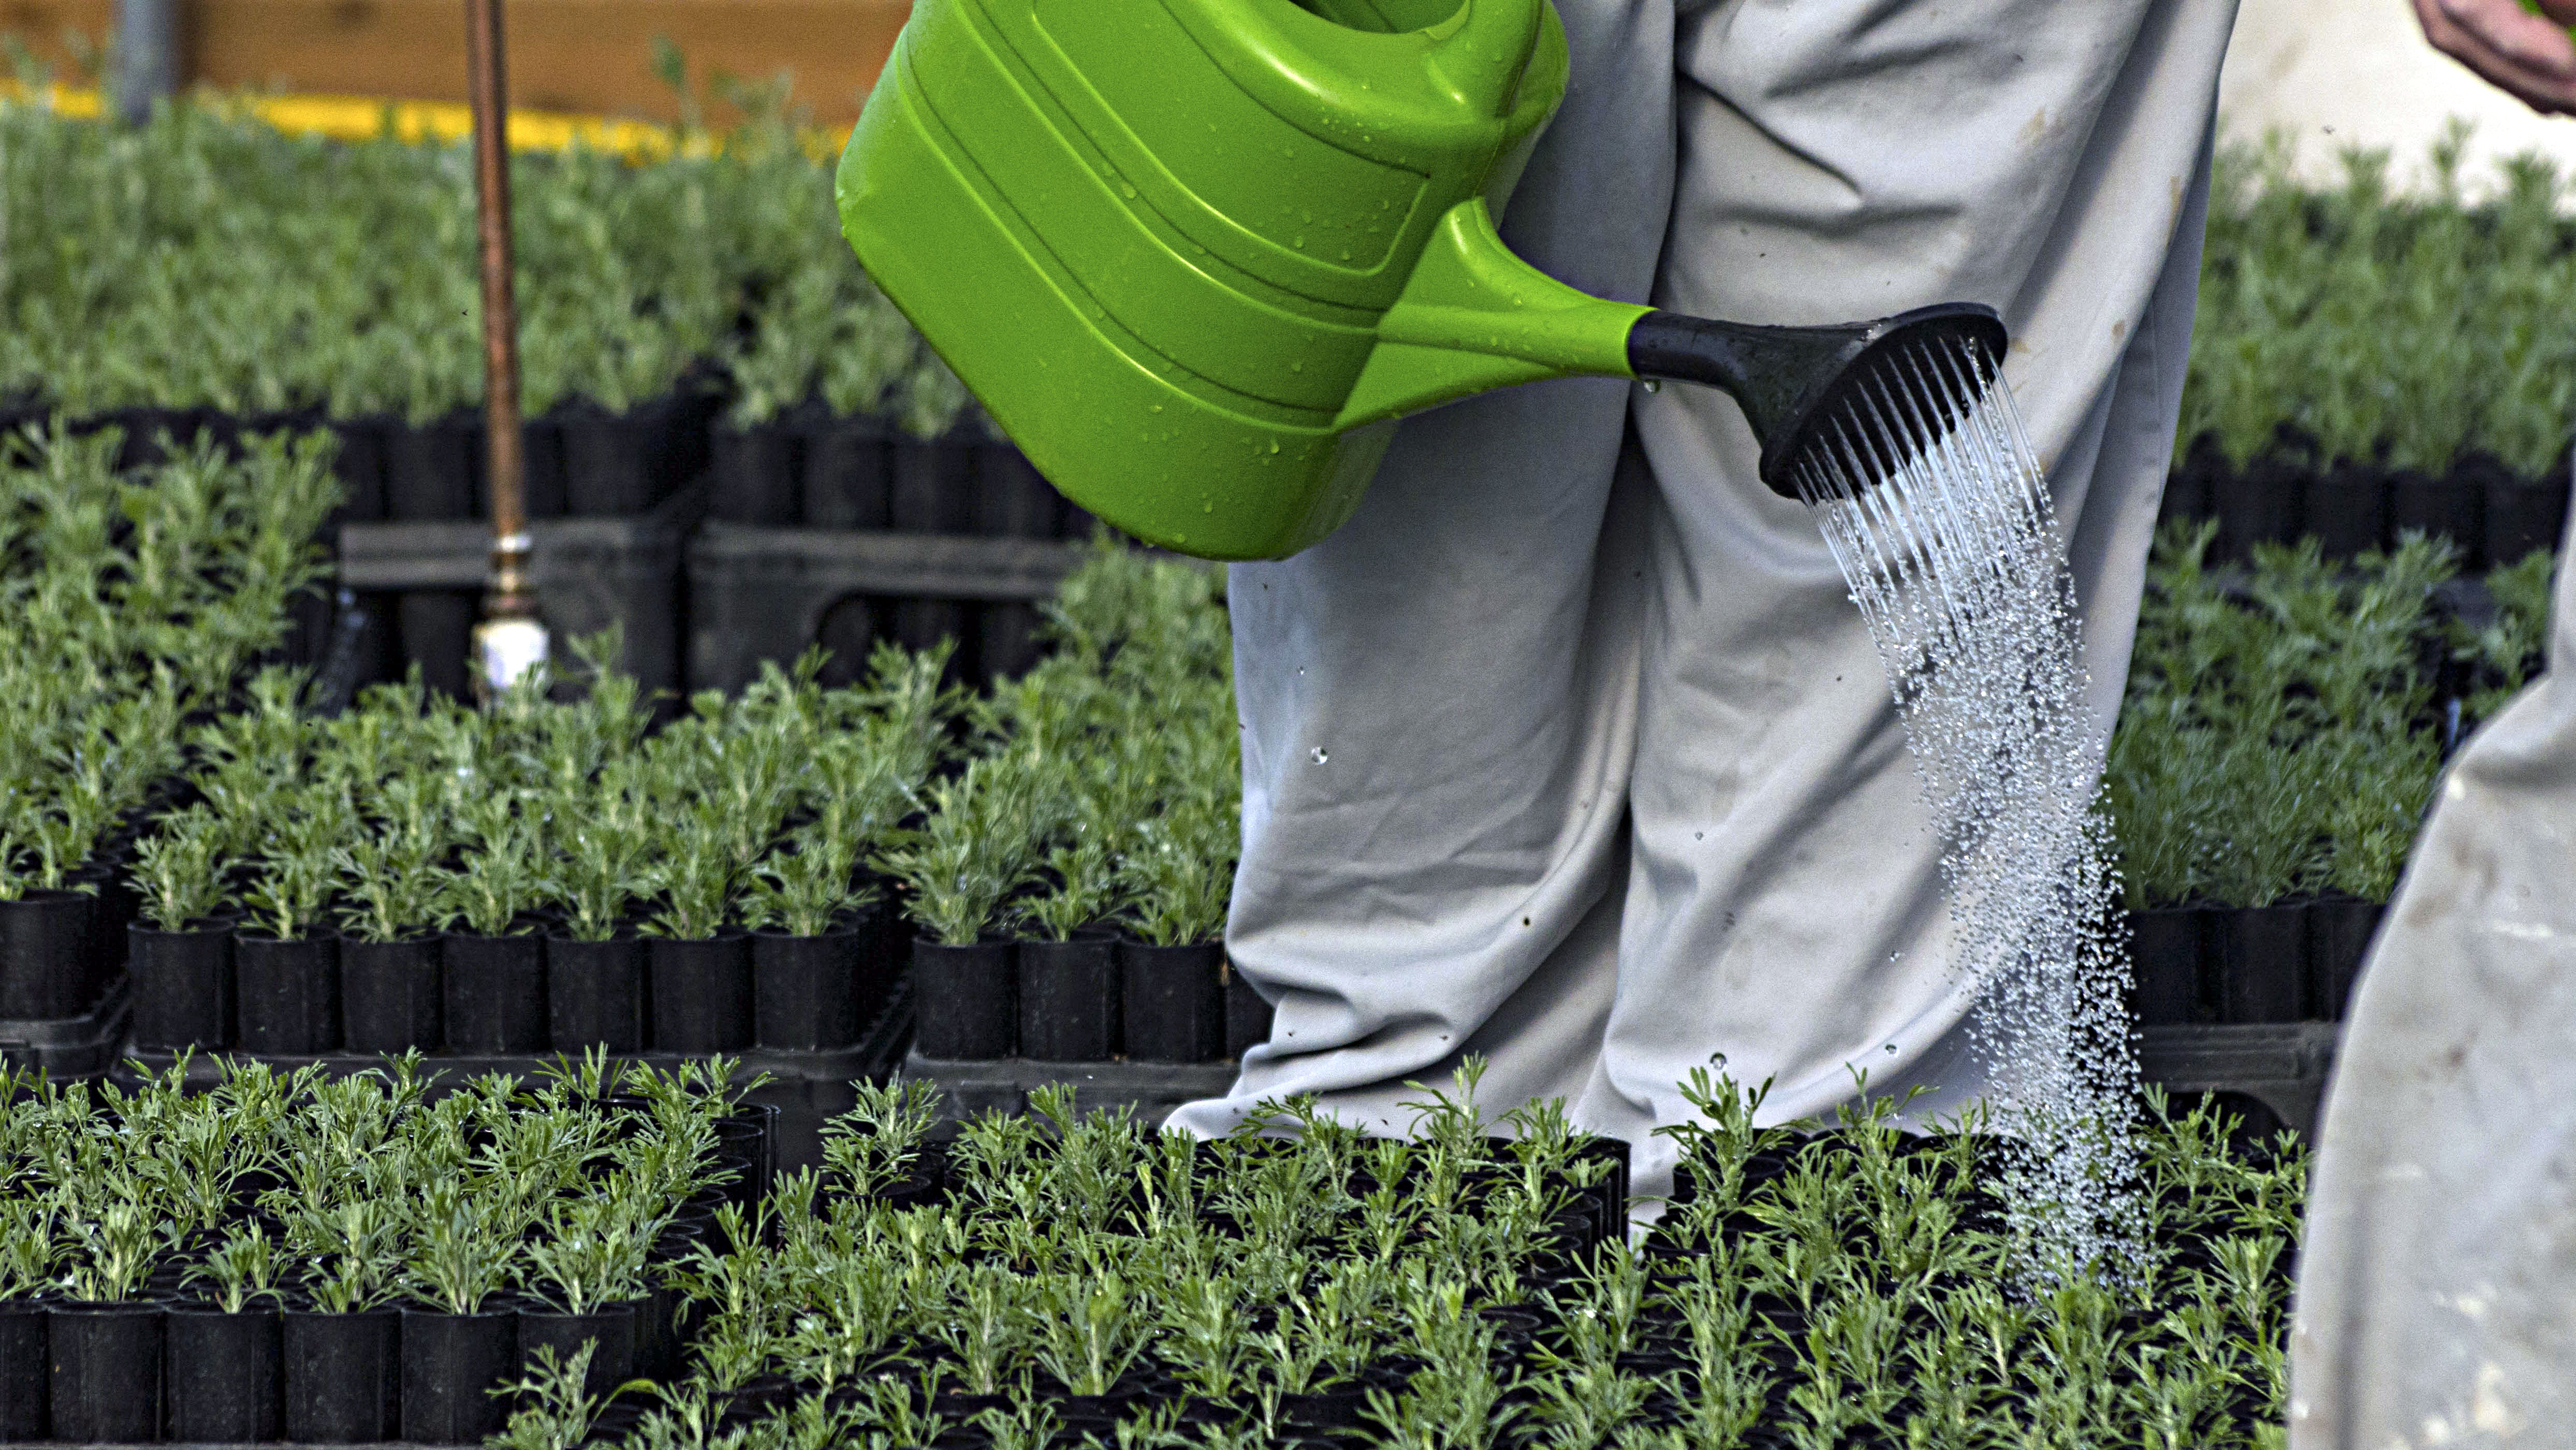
(1652, 385)
(1320, 756)
(1130, 190)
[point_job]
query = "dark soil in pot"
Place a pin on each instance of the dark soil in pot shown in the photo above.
(433, 470)
(595, 994)
(343, 1376)
(2347, 509)
(612, 1325)
(806, 989)
(224, 1375)
(2340, 929)
(183, 986)
(755, 475)
(389, 995)
(1069, 999)
(45, 955)
(25, 1366)
(449, 1362)
(2258, 956)
(2165, 954)
(701, 993)
(1175, 1001)
(495, 993)
(965, 1000)
(845, 470)
(287, 993)
(105, 1380)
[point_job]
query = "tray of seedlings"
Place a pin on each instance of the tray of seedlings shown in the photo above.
(135, 604)
(1069, 883)
(490, 886)
(290, 1256)
(1069, 1279)
(2282, 732)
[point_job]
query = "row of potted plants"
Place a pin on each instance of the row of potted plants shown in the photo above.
(293, 1257)
(1062, 1279)
(2406, 329)
(135, 603)
(2279, 741)
(419, 873)
(1071, 881)
(2488, 513)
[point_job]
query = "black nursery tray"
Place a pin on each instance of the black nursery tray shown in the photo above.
(2281, 1066)
(808, 1088)
(1152, 1089)
(71, 1047)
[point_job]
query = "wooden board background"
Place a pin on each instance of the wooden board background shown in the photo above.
(587, 56)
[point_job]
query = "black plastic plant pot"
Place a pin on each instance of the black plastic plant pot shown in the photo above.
(2165, 964)
(450, 1362)
(495, 993)
(104, 1384)
(2444, 508)
(595, 994)
(2340, 930)
(965, 1000)
(389, 995)
(2200, 470)
(2260, 505)
(25, 1365)
(1068, 1000)
(45, 947)
(2260, 955)
(931, 486)
(1012, 499)
(614, 462)
(541, 466)
(343, 1376)
(2347, 509)
(1174, 1000)
(183, 986)
(286, 993)
(1247, 1016)
(224, 1375)
(612, 1325)
(360, 465)
(702, 997)
(755, 475)
(805, 989)
(2524, 515)
(431, 468)
(845, 475)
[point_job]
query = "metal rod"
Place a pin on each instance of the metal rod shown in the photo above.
(509, 641)
(146, 57)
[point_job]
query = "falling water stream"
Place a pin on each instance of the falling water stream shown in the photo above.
(1939, 515)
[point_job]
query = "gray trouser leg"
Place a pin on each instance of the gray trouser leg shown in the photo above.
(1574, 754)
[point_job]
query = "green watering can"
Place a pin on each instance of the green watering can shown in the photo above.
(1197, 256)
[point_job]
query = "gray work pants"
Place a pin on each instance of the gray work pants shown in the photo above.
(2437, 1288)
(1569, 749)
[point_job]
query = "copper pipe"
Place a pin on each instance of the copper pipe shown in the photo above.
(507, 468)
(510, 639)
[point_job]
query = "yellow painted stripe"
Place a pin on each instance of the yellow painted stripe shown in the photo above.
(359, 118)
